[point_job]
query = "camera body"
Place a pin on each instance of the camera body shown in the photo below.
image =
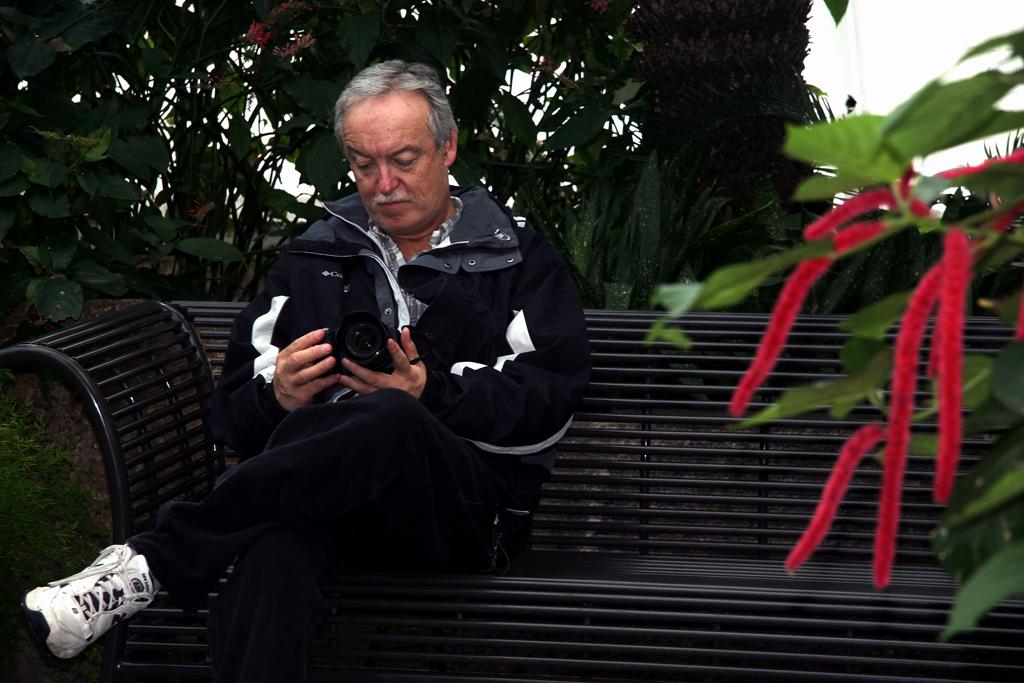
(362, 338)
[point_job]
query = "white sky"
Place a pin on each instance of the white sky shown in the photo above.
(885, 50)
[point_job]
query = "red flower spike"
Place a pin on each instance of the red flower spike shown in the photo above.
(860, 443)
(848, 210)
(1019, 335)
(857, 234)
(949, 332)
(953, 173)
(789, 303)
(1003, 222)
(904, 382)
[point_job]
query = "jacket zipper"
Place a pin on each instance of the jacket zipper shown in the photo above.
(396, 292)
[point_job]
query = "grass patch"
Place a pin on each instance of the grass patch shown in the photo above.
(46, 529)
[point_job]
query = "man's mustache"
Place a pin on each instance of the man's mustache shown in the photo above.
(391, 198)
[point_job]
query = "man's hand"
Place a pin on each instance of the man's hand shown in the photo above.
(301, 371)
(408, 376)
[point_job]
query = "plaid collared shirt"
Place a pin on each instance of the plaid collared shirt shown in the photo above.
(394, 260)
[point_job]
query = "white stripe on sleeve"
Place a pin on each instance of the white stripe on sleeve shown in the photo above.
(518, 336)
(262, 331)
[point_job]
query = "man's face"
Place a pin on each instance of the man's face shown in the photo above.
(401, 175)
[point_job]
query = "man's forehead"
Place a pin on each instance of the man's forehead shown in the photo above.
(393, 120)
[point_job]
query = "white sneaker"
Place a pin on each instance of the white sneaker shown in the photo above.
(73, 612)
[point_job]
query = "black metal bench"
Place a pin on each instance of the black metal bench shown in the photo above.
(657, 551)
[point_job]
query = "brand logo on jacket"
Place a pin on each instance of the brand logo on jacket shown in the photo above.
(333, 273)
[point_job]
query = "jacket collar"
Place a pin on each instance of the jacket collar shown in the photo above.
(483, 223)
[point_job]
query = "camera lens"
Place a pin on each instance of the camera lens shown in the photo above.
(363, 338)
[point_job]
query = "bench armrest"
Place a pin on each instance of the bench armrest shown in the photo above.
(145, 383)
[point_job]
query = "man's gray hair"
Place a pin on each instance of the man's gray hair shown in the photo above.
(395, 75)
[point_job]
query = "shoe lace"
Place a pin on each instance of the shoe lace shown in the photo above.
(108, 592)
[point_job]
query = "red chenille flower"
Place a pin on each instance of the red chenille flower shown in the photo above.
(847, 211)
(904, 382)
(860, 443)
(949, 336)
(788, 305)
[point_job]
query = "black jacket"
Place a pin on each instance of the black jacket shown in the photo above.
(503, 337)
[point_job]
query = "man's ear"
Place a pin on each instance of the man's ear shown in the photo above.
(450, 149)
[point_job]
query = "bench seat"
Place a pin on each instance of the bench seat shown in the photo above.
(657, 553)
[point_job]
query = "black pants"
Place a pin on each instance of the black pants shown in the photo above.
(376, 482)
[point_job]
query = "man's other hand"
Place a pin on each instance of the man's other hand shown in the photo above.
(409, 374)
(302, 371)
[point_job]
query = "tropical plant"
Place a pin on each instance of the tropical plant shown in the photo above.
(144, 143)
(978, 538)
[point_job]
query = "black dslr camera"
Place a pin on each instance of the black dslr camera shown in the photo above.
(361, 338)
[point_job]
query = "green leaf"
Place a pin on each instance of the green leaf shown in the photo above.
(314, 96)
(626, 92)
(579, 129)
(858, 352)
(14, 187)
(436, 35)
(211, 249)
(826, 186)
(46, 172)
(107, 245)
(1014, 41)
(647, 216)
(837, 8)
(117, 188)
(961, 548)
(1005, 489)
(847, 390)
(29, 57)
(731, 284)
(89, 181)
(852, 145)
(872, 322)
(156, 61)
(924, 445)
(239, 137)
(10, 160)
(660, 331)
(358, 35)
(58, 249)
(321, 163)
(99, 145)
(50, 204)
(96, 23)
(994, 581)
(678, 298)
(517, 117)
(942, 115)
(989, 416)
(165, 228)
(58, 298)
(7, 216)
(1008, 377)
(92, 274)
(977, 379)
(140, 155)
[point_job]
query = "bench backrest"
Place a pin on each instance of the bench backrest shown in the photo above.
(653, 464)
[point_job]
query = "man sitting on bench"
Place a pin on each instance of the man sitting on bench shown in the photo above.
(395, 393)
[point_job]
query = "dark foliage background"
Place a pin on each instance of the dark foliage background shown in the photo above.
(144, 143)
